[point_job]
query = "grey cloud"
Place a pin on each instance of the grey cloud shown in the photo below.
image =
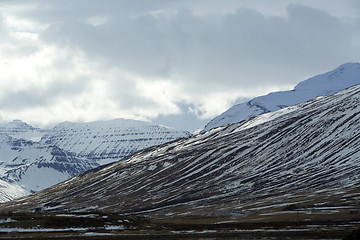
(305, 38)
(234, 48)
(36, 96)
(141, 45)
(49, 11)
(1, 25)
(124, 93)
(20, 100)
(355, 5)
(3, 33)
(187, 120)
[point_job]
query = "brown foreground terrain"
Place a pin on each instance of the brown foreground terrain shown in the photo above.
(96, 225)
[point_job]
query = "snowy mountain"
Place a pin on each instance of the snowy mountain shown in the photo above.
(20, 129)
(108, 141)
(27, 166)
(10, 191)
(301, 161)
(325, 84)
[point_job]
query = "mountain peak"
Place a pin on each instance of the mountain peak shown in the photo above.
(16, 123)
(344, 76)
(350, 65)
(20, 129)
(328, 83)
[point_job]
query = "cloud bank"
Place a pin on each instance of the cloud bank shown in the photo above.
(158, 60)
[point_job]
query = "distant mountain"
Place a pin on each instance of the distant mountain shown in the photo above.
(302, 162)
(32, 159)
(27, 166)
(325, 84)
(108, 141)
(20, 129)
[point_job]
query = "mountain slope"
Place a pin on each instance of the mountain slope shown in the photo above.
(305, 157)
(324, 84)
(27, 166)
(108, 141)
(9, 191)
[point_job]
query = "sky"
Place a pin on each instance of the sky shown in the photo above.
(173, 62)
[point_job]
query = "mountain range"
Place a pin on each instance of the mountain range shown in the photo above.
(108, 141)
(302, 161)
(32, 159)
(328, 83)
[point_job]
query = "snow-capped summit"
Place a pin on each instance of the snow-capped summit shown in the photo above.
(20, 129)
(108, 141)
(328, 83)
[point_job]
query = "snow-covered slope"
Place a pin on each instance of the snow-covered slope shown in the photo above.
(325, 84)
(108, 141)
(10, 191)
(27, 166)
(305, 157)
(20, 129)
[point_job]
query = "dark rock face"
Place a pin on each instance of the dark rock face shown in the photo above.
(308, 154)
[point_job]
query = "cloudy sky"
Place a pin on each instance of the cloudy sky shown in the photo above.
(174, 62)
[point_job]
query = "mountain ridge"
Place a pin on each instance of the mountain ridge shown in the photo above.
(328, 83)
(33, 159)
(20, 129)
(107, 141)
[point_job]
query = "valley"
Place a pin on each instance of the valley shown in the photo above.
(99, 225)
